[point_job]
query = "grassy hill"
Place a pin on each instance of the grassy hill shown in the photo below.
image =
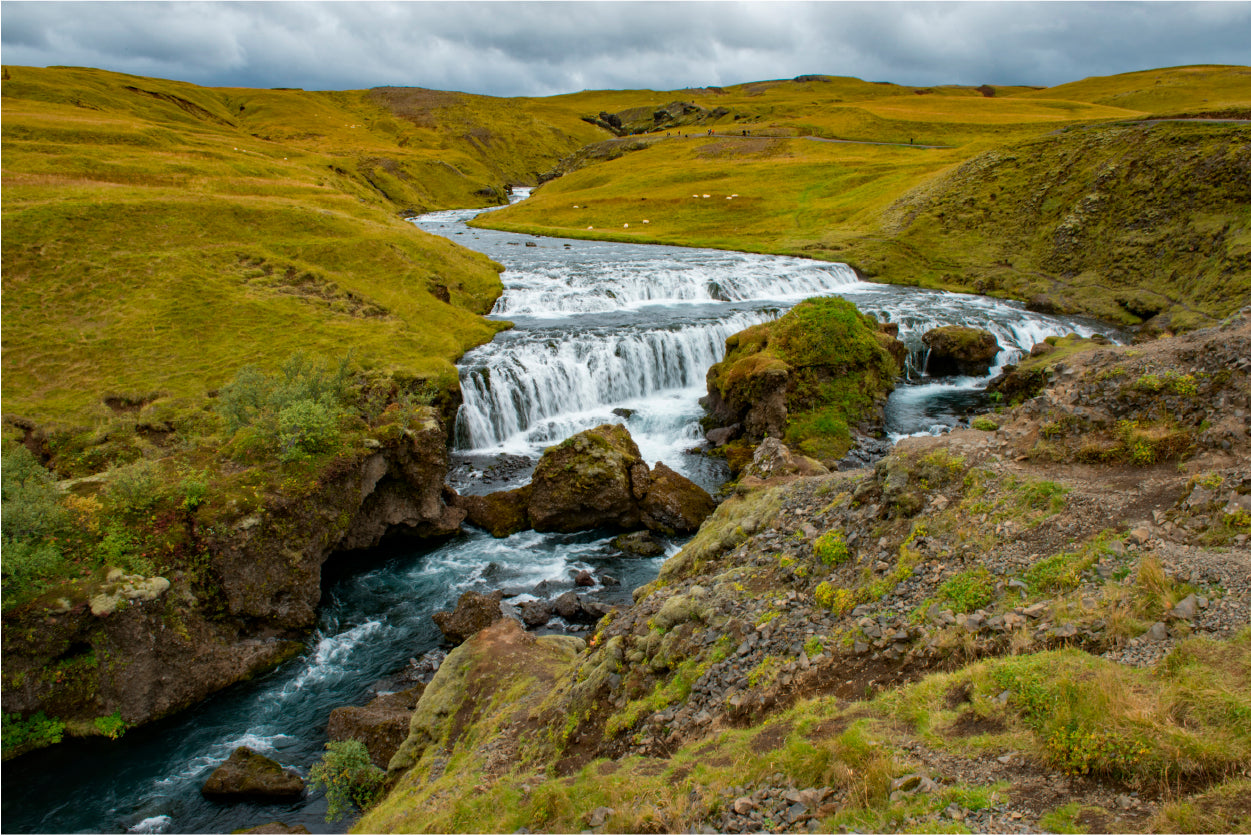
(1069, 196)
(159, 235)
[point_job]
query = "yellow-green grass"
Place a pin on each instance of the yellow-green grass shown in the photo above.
(159, 235)
(1183, 722)
(1201, 88)
(790, 193)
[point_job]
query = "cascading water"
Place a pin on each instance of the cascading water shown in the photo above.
(604, 332)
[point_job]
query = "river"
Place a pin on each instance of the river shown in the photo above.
(604, 332)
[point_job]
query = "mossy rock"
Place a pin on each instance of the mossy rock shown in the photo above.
(956, 349)
(808, 377)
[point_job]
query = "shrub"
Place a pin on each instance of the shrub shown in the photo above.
(37, 731)
(133, 489)
(294, 413)
(347, 776)
(32, 519)
(831, 549)
(983, 423)
(968, 590)
(111, 726)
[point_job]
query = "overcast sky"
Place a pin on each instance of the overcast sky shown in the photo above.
(542, 48)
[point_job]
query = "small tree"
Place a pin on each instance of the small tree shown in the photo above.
(347, 776)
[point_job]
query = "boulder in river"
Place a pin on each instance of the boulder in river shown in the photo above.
(640, 544)
(597, 478)
(671, 503)
(250, 776)
(500, 514)
(473, 612)
(955, 349)
(381, 725)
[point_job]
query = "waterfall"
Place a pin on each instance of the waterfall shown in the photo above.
(528, 386)
(561, 287)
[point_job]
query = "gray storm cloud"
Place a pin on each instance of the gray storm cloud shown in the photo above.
(511, 49)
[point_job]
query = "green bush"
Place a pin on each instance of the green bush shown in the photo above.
(32, 520)
(133, 489)
(347, 776)
(294, 413)
(112, 726)
(831, 549)
(38, 731)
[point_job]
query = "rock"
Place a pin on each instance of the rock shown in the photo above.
(743, 805)
(250, 776)
(500, 514)
(1157, 632)
(672, 503)
(275, 828)
(719, 437)
(597, 479)
(599, 815)
(583, 578)
(639, 543)
(569, 606)
(474, 611)
(585, 482)
(381, 725)
(955, 349)
(535, 613)
(1185, 609)
(907, 784)
(774, 459)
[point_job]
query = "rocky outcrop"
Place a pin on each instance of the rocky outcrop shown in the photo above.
(250, 776)
(145, 647)
(474, 611)
(957, 350)
(269, 564)
(646, 119)
(808, 378)
(494, 661)
(380, 725)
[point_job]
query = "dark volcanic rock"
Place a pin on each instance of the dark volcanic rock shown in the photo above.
(597, 478)
(955, 349)
(584, 482)
(473, 612)
(381, 725)
(500, 514)
(248, 775)
(639, 543)
(673, 503)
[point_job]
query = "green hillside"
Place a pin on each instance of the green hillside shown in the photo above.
(159, 235)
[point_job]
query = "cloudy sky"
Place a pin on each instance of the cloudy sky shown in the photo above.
(542, 48)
